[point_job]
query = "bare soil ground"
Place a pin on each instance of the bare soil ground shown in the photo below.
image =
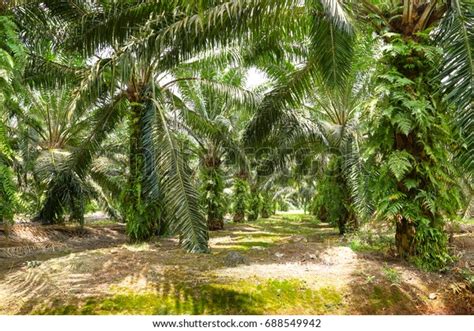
(293, 265)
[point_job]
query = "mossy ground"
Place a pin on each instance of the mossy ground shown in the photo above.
(268, 297)
(295, 265)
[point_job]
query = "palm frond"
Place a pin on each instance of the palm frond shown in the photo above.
(288, 93)
(332, 42)
(181, 198)
(456, 36)
(336, 12)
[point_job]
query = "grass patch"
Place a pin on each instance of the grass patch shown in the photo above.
(266, 232)
(392, 275)
(138, 247)
(288, 224)
(382, 298)
(464, 220)
(245, 245)
(250, 241)
(243, 297)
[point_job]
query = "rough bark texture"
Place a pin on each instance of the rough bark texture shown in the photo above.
(215, 223)
(404, 238)
(213, 192)
(142, 215)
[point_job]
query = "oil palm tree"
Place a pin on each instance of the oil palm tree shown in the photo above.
(411, 131)
(131, 49)
(211, 113)
(325, 158)
(48, 130)
(337, 115)
(320, 136)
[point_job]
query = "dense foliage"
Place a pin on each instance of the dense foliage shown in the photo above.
(213, 198)
(411, 135)
(11, 60)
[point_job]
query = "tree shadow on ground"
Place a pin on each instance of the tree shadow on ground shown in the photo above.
(170, 298)
(42, 243)
(160, 278)
(167, 298)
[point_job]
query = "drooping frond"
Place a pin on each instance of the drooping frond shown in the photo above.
(288, 93)
(456, 36)
(181, 198)
(103, 120)
(332, 40)
(336, 12)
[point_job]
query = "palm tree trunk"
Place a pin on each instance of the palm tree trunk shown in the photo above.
(348, 220)
(240, 197)
(6, 229)
(215, 222)
(267, 205)
(136, 226)
(213, 192)
(143, 217)
(255, 205)
(413, 139)
(405, 238)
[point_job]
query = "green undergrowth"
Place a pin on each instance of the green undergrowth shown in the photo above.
(242, 297)
(384, 298)
(249, 245)
(254, 240)
(392, 275)
(367, 243)
(466, 220)
(468, 276)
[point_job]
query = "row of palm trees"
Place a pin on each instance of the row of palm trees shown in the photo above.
(357, 92)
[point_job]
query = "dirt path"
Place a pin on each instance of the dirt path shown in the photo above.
(291, 265)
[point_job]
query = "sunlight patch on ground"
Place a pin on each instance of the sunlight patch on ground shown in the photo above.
(332, 266)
